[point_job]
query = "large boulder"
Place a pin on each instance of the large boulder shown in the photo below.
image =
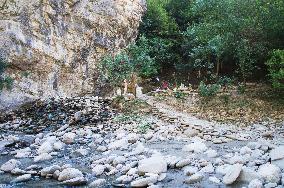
(49, 170)
(270, 173)
(70, 173)
(46, 147)
(248, 174)
(232, 174)
(196, 147)
(10, 165)
(54, 46)
(277, 156)
(155, 165)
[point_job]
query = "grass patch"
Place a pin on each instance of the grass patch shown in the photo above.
(136, 106)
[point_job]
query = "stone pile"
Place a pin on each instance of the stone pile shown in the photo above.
(51, 114)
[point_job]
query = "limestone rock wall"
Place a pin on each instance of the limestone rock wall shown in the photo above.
(53, 46)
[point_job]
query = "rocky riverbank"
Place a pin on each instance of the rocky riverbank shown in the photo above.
(84, 142)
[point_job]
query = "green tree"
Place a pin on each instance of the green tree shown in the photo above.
(181, 12)
(276, 69)
(114, 69)
(157, 21)
(228, 30)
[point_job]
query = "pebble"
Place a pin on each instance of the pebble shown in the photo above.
(270, 185)
(118, 144)
(49, 170)
(125, 155)
(190, 132)
(190, 170)
(101, 148)
(18, 171)
(46, 147)
(75, 181)
(58, 146)
(211, 153)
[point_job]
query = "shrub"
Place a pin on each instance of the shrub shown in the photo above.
(115, 69)
(157, 20)
(135, 60)
(241, 88)
(276, 69)
(226, 99)
(225, 81)
(143, 61)
(143, 127)
(5, 81)
(208, 91)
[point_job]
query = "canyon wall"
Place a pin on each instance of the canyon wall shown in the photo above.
(53, 46)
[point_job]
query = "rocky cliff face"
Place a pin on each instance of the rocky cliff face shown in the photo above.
(53, 46)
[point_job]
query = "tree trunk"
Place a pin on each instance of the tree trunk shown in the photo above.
(218, 67)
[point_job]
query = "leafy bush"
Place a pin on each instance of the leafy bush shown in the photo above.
(208, 91)
(233, 35)
(225, 98)
(157, 20)
(143, 127)
(276, 69)
(140, 54)
(179, 95)
(135, 60)
(115, 69)
(241, 88)
(225, 81)
(5, 81)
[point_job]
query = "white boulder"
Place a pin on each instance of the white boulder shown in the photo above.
(68, 138)
(10, 165)
(70, 173)
(232, 174)
(155, 164)
(270, 173)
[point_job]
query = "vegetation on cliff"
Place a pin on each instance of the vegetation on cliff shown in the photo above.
(5, 81)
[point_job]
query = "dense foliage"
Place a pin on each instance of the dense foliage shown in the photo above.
(208, 39)
(232, 33)
(208, 90)
(276, 69)
(114, 69)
